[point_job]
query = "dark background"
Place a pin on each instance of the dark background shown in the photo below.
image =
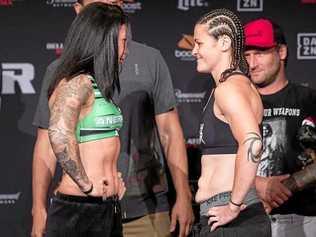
(31, 36)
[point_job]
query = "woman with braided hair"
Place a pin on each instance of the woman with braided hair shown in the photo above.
(229, 132)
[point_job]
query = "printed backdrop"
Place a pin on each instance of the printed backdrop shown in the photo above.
(32, 34)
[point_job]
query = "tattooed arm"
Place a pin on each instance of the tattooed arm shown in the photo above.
(69, 96)
(242, 110)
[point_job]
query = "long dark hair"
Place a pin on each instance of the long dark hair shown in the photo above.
(224, 22)
(91, 47)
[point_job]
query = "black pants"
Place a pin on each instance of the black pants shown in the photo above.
(76, 216)
(251, 222)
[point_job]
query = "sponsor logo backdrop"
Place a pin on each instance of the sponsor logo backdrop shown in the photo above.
(32, 36)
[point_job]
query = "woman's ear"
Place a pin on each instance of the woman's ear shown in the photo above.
(225, 43)
(78, 7)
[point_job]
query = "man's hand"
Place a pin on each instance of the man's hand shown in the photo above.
(39, 222)
(272, 191)
(183, 213)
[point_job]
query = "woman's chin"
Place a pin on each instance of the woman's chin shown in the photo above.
(201, 69)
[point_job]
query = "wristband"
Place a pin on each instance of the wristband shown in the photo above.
(89, 190)
(235, 204)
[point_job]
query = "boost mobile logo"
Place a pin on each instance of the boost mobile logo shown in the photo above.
(187, 43)
(130, 6)
(20, 73)
(306, 46)
(250, 5)
(185, 5)
(7, 199)
(61, 3)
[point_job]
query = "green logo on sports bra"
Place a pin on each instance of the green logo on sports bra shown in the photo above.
(108, 120)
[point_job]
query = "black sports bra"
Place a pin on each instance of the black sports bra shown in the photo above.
(215, 135)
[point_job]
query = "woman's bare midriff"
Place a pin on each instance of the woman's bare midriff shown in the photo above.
(99, 159)
(217, 175)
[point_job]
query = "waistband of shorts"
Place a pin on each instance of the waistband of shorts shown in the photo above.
(223, 198)
(85, 199)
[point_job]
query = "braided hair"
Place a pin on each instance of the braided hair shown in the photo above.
(224, 22)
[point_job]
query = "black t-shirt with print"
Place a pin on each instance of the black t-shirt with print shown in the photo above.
(284, 112)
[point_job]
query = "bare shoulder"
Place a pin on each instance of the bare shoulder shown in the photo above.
(233, 89)
(238, 94)
(78, 88)
(76, 83)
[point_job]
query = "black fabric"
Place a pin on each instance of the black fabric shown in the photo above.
(85, 199)
(251, 222)
(215, 135)
(71, 216)
(283, 115)
(94, 132)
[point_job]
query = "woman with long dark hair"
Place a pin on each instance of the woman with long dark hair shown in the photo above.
(84, 124)
(229, 133)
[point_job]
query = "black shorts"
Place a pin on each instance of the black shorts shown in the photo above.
(79, 216)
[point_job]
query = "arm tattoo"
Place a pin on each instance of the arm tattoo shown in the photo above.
(301, 179)
(71, 167)
(254, 148)
(64, 117)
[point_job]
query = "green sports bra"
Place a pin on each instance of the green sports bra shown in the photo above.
(104, 120)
